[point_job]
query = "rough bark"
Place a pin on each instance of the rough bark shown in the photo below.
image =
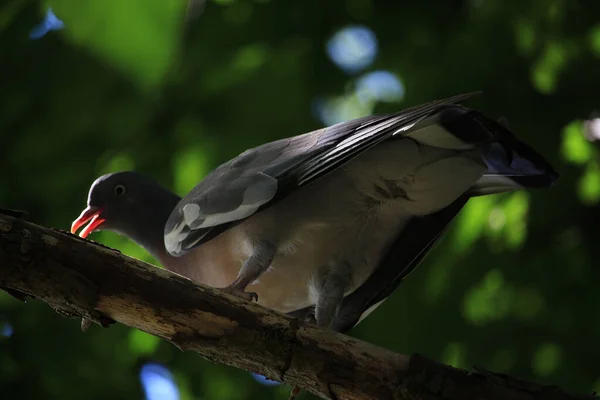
(83, 279)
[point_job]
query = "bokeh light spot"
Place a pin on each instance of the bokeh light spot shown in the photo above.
(7, 330)
(575, 149)
(380, 86)
(353, 48)
(454, 354)
(487, 301)
(471, 222)
(158, 383)
(343, 108)
(115, 162)
(190, 165)
(591, 129)
(525, 36)
(50, 23)
(549, 66)
(516, 209)
(546, 359)
(588, 187)
(595, 39)
(142, 343)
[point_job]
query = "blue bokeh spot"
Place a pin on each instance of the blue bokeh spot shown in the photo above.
(353, 48)
(7, 330)
(158, 383)
(380, 86)
(50, 23)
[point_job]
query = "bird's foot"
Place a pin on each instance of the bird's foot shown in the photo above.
(240, 292)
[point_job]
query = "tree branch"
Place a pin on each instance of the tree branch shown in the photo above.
(81, 278)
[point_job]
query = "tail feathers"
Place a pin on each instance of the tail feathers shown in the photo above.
(512, 165)
(491, 184)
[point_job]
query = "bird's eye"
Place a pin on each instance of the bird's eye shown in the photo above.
(119, 190)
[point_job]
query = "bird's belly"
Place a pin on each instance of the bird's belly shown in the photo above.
(289, 284)
(283, 287)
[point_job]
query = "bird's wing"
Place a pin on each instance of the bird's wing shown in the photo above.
(261, 176)
(410, 247)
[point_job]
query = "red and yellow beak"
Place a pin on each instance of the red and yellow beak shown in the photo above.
(91, 214)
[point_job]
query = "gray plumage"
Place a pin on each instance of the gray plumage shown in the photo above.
(325, 225)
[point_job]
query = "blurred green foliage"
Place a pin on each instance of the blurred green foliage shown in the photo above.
(512, 286)
(139, 37)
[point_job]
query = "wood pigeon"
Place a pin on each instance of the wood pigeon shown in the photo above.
(324, 225)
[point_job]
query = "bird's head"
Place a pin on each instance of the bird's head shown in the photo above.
(124, 202)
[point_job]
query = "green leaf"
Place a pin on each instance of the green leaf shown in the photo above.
(546, 359)
(548, 67)
(487, 301)
(454, 354)
(471, 222)
(250, 58)
(515, 209)
(525, 37)
(115, 162)
(190, 166)
(138, 37)
(346, 107)
(575, 149)
(7, 301)
(220, 387)
(439, 275)
(142, 343)
(594, 38)
(588, 188)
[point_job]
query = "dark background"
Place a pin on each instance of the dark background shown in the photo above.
(512, 286)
